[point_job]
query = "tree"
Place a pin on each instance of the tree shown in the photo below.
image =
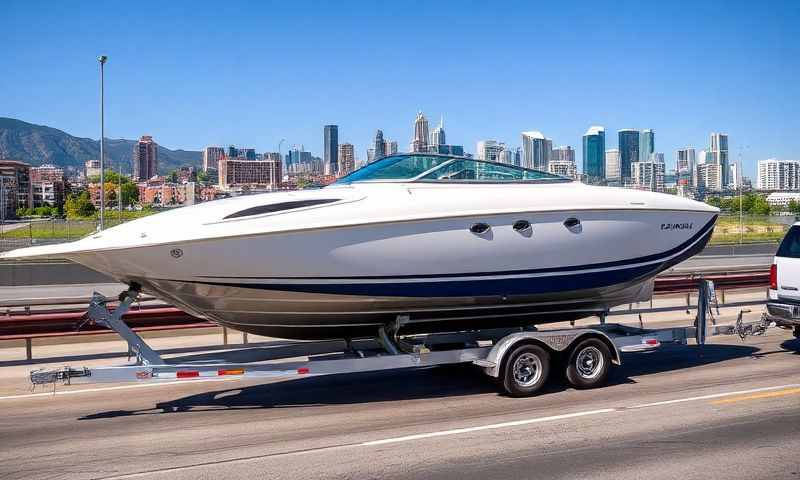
(202, 176)
(130, 194)
(110, 177)
(713, 201)
(173, 176)
(760, 206)
(794, 207)
(79, 206)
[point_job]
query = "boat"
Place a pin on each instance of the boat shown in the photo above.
(424, 242)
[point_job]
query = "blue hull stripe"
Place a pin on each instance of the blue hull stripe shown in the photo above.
(707, 228)
(573, 281)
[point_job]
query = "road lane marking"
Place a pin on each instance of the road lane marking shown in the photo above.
(441, 433)
(757, 396)
(119, 387)
(714, 395)
(493, 426)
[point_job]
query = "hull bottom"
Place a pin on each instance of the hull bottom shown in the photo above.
(306, 316)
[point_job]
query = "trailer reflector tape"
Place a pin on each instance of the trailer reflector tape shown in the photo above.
(239, 371)
(187, 373)
(302, 371)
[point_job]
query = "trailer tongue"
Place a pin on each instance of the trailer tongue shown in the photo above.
(520, 359)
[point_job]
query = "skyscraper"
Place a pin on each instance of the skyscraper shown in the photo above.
(719, 155)
(647, 140)
(628, 152)
(685, 160)
(648, 176)
(211, 157)
(776, 174)
(389, 147)
(330, 155)
(594, 147)
(145, 159)
(437, 136)
(488, 150)
(420, 142)
(612, 165)
(564, 153)
(347, 158)
(536, 150)
(378, 146)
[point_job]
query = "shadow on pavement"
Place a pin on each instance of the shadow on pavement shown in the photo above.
(428, 383)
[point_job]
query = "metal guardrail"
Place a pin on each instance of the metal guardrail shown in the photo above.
(28, 323)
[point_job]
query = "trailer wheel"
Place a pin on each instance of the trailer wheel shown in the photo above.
(797, 331)
(525, 370)
(588, 364)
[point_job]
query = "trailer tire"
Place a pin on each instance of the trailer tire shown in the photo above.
(797, 331)
(525, 370)
(588, 364)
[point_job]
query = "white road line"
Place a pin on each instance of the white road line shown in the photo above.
(714, 395)
(529, 421)
(486, 427)
(120, 387)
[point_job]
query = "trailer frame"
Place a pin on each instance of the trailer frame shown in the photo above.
(519, 358)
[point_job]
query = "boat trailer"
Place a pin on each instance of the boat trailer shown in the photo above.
(520, 359)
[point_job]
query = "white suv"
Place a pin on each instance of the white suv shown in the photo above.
(783, 305)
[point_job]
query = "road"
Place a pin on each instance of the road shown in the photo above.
(731, 412)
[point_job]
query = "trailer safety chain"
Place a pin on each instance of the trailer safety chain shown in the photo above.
(750, 330)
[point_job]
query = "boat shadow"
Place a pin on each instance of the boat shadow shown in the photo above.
(427, 383)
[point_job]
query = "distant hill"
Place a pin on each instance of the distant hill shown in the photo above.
(38, 144)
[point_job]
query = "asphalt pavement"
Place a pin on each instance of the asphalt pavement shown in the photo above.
(730, 409)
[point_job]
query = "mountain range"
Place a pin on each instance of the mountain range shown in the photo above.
(39, 144)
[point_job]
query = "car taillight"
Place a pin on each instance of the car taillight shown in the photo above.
(773, 276)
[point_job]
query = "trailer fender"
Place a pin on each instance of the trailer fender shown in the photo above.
(556, 341)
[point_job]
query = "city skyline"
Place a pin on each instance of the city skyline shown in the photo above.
(748, 96)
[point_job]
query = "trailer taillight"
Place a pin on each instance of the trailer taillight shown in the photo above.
(773, 276)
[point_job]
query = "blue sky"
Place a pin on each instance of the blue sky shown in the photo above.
(251, 73)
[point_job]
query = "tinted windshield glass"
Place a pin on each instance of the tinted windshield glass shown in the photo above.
(790, 246)
(440, 168)
(472, 170)
(400, 167)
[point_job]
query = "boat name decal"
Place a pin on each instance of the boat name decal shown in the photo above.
(676, 226)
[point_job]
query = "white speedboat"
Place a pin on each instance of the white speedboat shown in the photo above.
(446, 243)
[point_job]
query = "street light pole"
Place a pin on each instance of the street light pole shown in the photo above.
(102, 59)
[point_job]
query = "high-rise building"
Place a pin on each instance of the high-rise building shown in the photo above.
(564, 153)
(420, 142)
(776, 174)
(15, 186)
(685, 160)
(389, 147)
(612, 166)
(488, 150)
(709, 177)
(736, 176)
(438, 136)
(233, 172)
(648, 176)
(594, 147)
(298, 161)
(91, 168)
(536, 150)
(719, 155)
(330, 155)
(647, 140)
(211, 158)
(347, 158)
(628, 152)
(506, 154)
(48, 186)
(378, 146)
(145, 159)
(565, 168)
(656, 157)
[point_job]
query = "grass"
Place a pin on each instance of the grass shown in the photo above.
(756, 229)
(72, 229)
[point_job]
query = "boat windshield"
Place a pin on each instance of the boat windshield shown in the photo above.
(443, 168)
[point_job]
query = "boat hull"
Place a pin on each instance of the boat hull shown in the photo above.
(348, 281)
